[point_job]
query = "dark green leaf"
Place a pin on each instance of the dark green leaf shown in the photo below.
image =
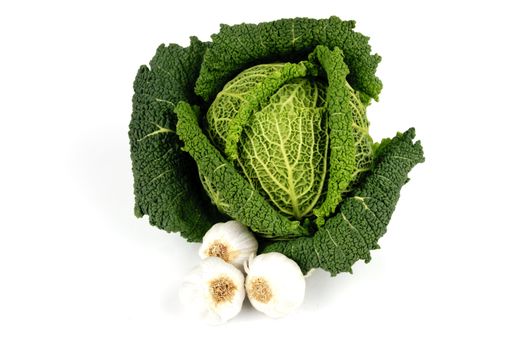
(167, 187)
(238, 47)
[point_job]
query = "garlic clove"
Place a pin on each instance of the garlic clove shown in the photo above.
(213, 291)
(274, 284)
(231, 241)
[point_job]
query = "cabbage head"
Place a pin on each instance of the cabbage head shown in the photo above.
(266, 124)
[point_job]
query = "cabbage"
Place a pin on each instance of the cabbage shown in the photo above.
(282, 148)
(266, 124)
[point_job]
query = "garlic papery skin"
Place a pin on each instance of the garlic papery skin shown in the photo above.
(274, 284)
(231, 241)
(213, 291)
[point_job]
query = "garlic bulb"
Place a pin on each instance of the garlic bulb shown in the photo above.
(213, 291)
(231, 241)
(274, 284)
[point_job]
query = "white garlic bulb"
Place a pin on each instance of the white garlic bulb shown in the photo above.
(213, 291)
(274, 284)
(231, 241)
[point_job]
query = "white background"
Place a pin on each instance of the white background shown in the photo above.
(79, 271)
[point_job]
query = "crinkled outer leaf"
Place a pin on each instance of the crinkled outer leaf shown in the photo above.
(231, 192)
(363, 217)
(339, 100)
(238, 47)
(167, 186)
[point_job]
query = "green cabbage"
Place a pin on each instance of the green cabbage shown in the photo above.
(283, 148)
(267, 125)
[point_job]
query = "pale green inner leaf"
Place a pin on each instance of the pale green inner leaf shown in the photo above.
(229, 100)
(363, 140)
(283, 151)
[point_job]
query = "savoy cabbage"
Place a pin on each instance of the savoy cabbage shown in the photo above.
(266, 124)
